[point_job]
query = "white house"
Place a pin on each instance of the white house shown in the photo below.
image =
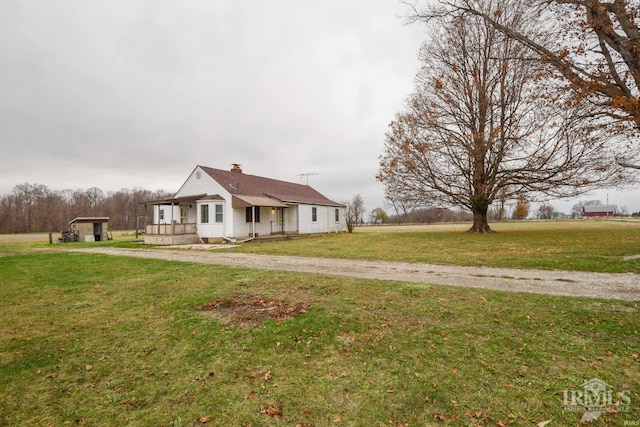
(215, 204)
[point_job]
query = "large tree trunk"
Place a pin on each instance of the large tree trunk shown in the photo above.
(480, 223)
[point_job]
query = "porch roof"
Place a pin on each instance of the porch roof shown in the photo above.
(243, 201)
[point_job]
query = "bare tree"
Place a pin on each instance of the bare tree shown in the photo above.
(546, 211)
(34, 207)
(27, 197)
(592, 44)
(484, 123)
(355, 212)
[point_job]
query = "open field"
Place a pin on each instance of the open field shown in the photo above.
(602, 246)
(91, 339)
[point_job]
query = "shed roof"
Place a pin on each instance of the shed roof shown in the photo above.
(89, 219)
(246, 186)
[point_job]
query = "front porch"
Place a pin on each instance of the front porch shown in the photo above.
(186, 234)
(171, 234)
(210, 219)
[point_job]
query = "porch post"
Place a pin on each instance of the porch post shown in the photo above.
(173, 224)
(253, 220)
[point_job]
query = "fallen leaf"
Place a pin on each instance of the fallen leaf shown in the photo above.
(268, 375)
(337, 419)
(88, 367)
(51, 375)
(274, 412)
(543, 423)
(165, 373)
(204, 420)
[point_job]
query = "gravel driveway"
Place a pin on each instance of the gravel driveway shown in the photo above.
(570, 283)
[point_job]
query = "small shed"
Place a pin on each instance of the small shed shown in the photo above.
(90, 228)
(598, 211)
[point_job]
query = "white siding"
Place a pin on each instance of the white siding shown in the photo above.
(167, 214)
(206, 185)
(325, 219)
(211, 228)
(291, 219)
(332, 224)
(242, 228)
(203, 185)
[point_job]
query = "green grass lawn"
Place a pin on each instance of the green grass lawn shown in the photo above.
(110, 341)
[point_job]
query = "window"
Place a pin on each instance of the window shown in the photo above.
(314, 214)
(337, 215)
(218, 213)
(204, 214)
(161, 215)
(249, 213)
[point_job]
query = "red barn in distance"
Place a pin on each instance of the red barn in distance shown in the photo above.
(598, 211)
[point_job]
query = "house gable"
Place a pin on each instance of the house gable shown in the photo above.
(201, 183)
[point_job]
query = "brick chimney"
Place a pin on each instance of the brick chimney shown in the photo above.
(236, 167)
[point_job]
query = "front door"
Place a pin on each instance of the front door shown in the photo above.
(279, 226)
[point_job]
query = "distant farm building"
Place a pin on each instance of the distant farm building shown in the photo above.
(90, 229)
(598, 211)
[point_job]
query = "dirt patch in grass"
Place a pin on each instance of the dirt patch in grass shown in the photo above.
(250, 310)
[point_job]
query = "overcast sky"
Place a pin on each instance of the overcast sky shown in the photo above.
(134, 93)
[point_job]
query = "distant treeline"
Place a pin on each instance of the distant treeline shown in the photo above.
(430, 215)
(36, 208)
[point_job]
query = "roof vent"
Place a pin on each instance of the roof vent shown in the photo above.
(236, 167)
